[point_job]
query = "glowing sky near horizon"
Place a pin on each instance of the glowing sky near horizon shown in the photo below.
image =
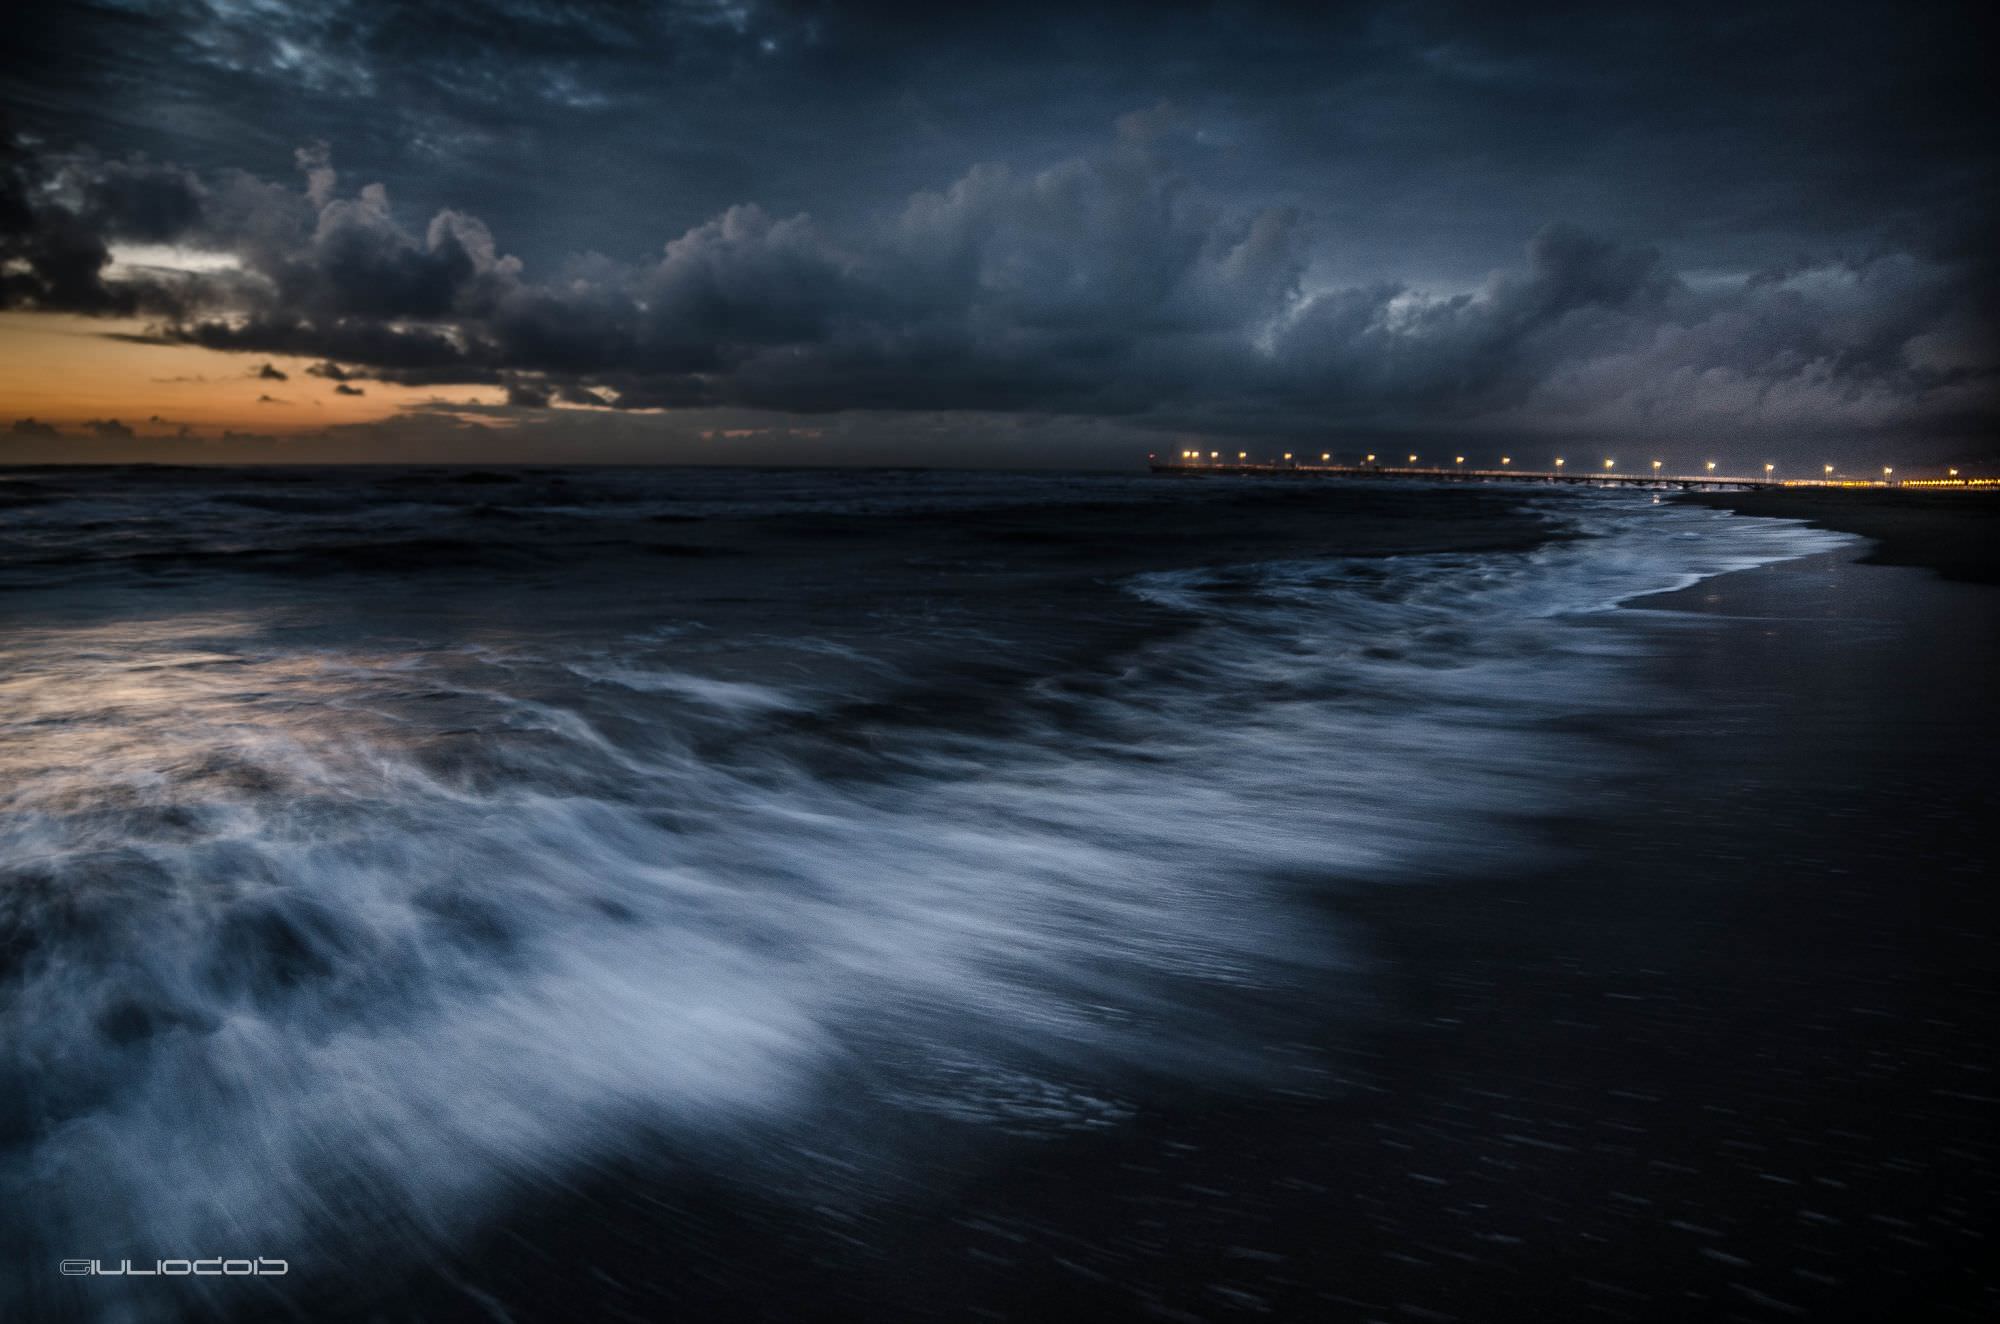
(1049, 234)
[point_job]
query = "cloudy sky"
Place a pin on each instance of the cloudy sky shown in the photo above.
(1063, 234)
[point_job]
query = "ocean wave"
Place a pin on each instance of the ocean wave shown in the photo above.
(333, 946)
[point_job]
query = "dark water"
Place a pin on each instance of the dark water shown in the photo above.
(688, 892)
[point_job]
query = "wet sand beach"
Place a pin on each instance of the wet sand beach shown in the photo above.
(1957, 534)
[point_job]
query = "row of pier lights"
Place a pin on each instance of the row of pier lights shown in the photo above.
(1830, 475)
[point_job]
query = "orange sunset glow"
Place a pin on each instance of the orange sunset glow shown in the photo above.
(79, 373)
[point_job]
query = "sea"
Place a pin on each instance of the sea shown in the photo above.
(394, 859)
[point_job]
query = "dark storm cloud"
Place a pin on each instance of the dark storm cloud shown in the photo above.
(1392, 216)
(1427, 124)
(1609, 336)
(62, 214)
(53, 252)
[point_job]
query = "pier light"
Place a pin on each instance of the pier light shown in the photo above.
(1459, 460)
(1952, 472)
(1829, 470)
(1243, 455)
(1413, 459)
(1656, 466)
(1768, 468)
(1611, 464)
(1371, 459)
(1215, 455)
(1711, 466)
(1506, 459)
(1288, 455)
(1559, 461)
(1886, 471)
(1324, 458)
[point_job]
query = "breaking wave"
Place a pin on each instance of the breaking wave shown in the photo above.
(319, 946)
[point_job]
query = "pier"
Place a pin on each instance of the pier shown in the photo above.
(1582, 474)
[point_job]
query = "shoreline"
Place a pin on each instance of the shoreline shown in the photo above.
(1713, 1050)
(1955, 534)
(1718, 1060)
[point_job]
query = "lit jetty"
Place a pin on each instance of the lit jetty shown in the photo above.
(1652, 474)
